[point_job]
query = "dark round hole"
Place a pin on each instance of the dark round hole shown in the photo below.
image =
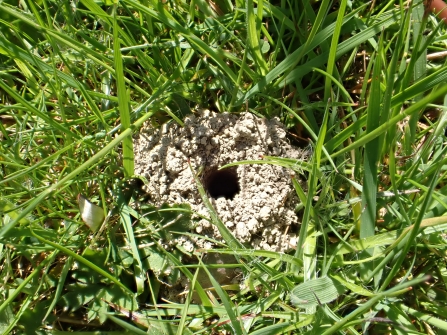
(222, 183)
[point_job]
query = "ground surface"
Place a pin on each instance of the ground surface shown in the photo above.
(360, 85)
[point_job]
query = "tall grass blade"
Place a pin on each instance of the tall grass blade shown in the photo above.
(371, 155)
(123, 101)
(253, 30)
(333, 50)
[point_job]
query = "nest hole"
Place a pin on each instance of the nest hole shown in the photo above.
(222, 183)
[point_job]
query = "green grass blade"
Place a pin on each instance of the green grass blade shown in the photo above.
(260, 253)
(60, 286)
(52, 123)
(314, 136)
(406, 244)
(62, 182)
(181, 325)
(298, 72)
(420, 65)
(127, 224)
(399, 289)
(130, 328)
(123, 101)
(307, 240)
(371, 153)
(438, 323)
(27, 170)
(333, 50)
(253, 35)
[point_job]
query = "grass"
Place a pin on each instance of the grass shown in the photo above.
(351, 80)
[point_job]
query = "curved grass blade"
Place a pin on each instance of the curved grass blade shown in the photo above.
(371, 152)
(421, 104)
(385, 20)
(232, 242)
(258, 253)
(333, 50)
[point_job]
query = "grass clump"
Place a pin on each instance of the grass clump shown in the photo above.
(360, 83)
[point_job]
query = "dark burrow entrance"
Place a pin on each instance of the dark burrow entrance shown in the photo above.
(221, 183)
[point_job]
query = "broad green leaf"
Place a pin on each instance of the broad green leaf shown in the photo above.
(6, 317)
(314, 292)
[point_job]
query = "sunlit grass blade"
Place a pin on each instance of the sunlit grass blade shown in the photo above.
(130, 328)
(307, 240)
(81, 168)
(372, 151)
(260, 253)
(60, 286)
(123, 101)
(127, 225)
(253, 29)
(333, 50)
(181, 327)
(397, 290)
(206, 302)
(314, 136)
(420, 65)
(437, 322)
(406, 244)
(52, 123)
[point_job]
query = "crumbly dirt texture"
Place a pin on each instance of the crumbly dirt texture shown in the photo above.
(261, 213)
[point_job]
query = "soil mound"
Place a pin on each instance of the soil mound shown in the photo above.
(256, 202)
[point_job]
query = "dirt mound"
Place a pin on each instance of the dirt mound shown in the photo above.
(256, 202)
